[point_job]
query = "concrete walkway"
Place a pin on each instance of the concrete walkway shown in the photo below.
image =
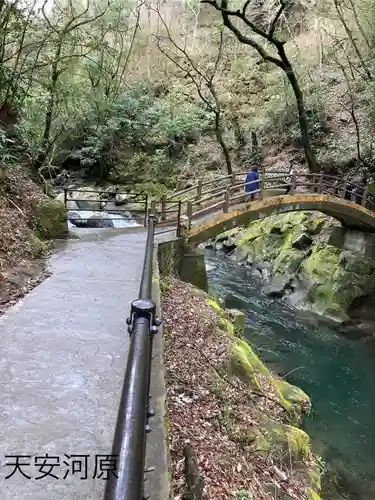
(63, 351)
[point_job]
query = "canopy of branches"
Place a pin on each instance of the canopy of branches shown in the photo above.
(164, 91)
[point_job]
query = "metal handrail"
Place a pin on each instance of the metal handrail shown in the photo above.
(129, 443)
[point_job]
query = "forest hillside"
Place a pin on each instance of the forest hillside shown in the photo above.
(161, 92)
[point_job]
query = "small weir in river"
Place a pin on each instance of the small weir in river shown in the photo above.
(337, 373)
(101, 219)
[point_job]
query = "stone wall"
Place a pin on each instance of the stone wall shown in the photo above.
(176, 259)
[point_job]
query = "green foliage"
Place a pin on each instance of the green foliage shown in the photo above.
(153, 189)
(156, 127)
(6, 144)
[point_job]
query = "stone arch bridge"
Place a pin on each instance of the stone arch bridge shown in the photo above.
(208, 209)
(351, 215)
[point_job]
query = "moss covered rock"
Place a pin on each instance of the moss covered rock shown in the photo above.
(50, 220)
(244, 363)
(237, 319)
(312, 495)
(285, 442)
(335, 279)
(294, 247)
(295, 395)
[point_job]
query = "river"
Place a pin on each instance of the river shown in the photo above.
(337, 373)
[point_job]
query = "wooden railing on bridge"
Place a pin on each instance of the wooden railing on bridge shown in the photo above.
(220, 194)
(228, 191)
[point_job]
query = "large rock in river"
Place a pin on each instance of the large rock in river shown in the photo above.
(301, 264)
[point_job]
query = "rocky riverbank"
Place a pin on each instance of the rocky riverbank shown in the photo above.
(290, 252)
(233, 425)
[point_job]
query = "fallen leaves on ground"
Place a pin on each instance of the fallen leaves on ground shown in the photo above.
(20, 268)
(197, 413)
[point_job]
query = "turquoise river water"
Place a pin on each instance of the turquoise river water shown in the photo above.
(337, 373)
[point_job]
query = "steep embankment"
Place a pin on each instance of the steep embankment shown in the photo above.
(233, 423)
(28, 219)
(291, 253)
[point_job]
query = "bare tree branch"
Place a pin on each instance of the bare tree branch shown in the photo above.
(282, 61)
(200, 78)
(276, 19)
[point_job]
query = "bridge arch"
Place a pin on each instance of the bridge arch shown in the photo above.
(350, 214)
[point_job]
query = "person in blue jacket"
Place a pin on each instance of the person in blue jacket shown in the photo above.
(252, 183)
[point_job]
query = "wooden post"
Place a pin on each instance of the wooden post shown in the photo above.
(66, 198)
(262, 183)
(364, 197)
(294, 183)
(199, 190)
(146, 211)
(233, 178)
(321, 178)
(178, 232)
(194, 481)
(189, 213)
(153, 207)
(163, 209)
(226, 200)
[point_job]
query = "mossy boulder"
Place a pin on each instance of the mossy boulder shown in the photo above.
(315, 478)
(37, 246)
(284, 442)
(281, 239)
(50, 220)
(295, 395)
(333, 280)
(294, 247)
(237, 319)
(244, 364)
(312, 495)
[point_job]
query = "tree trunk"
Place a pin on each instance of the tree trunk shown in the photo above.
(302, 119)
(238, 134)
(219, 137)
(254, 142)
(45, 145)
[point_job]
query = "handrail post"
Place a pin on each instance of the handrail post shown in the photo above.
(314, 181)
(178, 234)
(163, 209)
(199, 190)
(226, 200)
(321, 179)
(146, 211)
(293, 183)
(233, 178)
(364, 196)
(262, 182)
(66, 197)
(189, 213)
